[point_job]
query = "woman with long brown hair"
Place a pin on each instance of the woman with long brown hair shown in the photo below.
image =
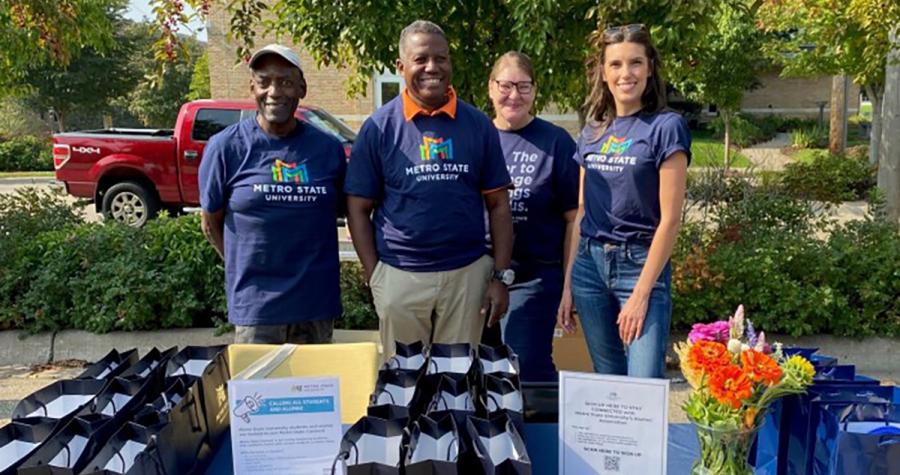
(634, 155)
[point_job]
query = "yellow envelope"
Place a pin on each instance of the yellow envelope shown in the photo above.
(355, 364)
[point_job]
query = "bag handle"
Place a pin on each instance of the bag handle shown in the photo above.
(449, 447)
(343, 455)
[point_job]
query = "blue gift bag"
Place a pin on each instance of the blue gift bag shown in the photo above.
(796, 435)
(857, 439)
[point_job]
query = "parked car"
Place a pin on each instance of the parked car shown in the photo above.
(131, 174)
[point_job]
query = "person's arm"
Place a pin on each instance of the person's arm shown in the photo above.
(672, 184)
(564, 317)
(213, 226)
(359, 219)
(496, 299)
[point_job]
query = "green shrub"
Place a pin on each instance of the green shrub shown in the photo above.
(830, 178)
(58, 272)
(26, 153)
(744, 132)
(809, 137)
(760, 248)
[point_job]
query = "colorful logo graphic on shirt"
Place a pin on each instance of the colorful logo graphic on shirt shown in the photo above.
(283, 172)
(436, 148)
(616, 145)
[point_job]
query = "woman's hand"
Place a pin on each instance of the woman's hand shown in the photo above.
(631, 317)
(564, 317)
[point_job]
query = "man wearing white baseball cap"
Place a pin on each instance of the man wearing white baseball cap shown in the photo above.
(270, 193)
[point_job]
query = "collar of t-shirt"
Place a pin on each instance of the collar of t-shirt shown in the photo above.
(411, 109)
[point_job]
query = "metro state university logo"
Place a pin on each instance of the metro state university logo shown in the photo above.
(616, 145)
(283, 172)
(436, 148)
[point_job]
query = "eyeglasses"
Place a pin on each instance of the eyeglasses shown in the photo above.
(506, 87)
(624, 29)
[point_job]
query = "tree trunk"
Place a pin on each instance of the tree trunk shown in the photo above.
(889, 158)
(876, 95)
(726, 116)
(837, 136)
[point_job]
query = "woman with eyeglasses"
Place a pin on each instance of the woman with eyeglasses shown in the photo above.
(634, 154)
(539, 159)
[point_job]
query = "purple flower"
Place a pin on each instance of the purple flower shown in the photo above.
(716, 331)
(751, 334)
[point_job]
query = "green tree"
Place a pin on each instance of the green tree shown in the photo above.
(200, 88)
(726, 64)
(90, 81)
(50, 33)
(157, 97)
(835, 37)
(554, 33)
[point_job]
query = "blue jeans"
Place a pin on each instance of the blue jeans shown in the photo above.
(603, 277)
(528, 324)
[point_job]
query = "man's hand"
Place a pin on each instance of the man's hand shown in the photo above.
(496, 302)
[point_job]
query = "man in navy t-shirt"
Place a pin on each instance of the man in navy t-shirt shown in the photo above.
(422, 172)
(270, 191)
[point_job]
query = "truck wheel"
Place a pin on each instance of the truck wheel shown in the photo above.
(130, 203)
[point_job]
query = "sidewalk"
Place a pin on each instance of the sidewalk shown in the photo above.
(768, 155)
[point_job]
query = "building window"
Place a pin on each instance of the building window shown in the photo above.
(387, 87)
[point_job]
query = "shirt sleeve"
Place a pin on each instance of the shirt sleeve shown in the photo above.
(577, 154)
(673, 136)
(494, 175)
(212, 177)
(364, 175)
(565, 173)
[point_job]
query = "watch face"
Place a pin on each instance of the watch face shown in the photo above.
(508, 276)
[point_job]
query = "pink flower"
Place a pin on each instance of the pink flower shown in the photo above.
(716, 331)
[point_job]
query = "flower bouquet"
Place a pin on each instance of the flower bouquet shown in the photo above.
(735, 375)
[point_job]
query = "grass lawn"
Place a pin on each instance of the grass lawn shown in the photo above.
(709, 151)
(806, 155)
(27, 174)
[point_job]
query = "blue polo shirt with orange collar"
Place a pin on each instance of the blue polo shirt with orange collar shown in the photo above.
(428, 172)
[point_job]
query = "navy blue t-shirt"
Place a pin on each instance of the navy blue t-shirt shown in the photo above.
(427, 176)
(281, 198)
(539, 160)
(621, 184)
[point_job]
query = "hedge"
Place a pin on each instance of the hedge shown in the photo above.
(25, 153)
(756, 245)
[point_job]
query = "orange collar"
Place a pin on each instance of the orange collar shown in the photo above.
(411, 109)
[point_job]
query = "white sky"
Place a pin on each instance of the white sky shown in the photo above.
(139, 9)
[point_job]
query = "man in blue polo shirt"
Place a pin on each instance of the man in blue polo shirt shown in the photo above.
(270, 192)
(428, 165)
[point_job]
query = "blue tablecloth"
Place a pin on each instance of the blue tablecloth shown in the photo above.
(543, 445)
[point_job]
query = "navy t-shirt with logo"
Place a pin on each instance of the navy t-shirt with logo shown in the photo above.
(281, 198)
(427, 176)
(539, 160)
(621, 187)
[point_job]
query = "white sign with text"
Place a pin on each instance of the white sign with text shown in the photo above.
(285, 426)
(612, 424)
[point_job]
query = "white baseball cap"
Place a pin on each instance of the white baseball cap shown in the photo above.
(288, 54)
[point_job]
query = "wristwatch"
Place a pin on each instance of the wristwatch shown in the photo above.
(505, 276)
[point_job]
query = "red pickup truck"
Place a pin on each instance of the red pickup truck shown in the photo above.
(131, 174)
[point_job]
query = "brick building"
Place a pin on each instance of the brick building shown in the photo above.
(327, 86)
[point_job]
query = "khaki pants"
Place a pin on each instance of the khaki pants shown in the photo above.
(434, 307)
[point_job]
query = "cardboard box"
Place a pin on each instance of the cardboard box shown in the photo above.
(570, 351)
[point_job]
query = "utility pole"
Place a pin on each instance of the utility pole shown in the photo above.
(837, 136)
(889, 159)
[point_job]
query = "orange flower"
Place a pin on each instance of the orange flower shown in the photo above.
(707, 356)
(729, 385)
(760, 367)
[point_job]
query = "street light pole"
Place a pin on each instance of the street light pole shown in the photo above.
(889, 160)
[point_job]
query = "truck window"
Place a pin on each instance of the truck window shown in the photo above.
(211, 121)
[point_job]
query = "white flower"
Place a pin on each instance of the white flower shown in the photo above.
(761, 342)
(734, 345)
(737, 322)
(745, 347)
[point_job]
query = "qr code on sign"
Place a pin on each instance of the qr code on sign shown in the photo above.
(611, 463)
